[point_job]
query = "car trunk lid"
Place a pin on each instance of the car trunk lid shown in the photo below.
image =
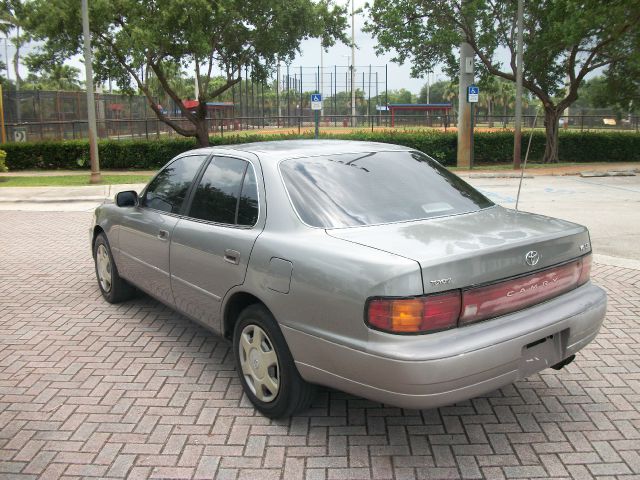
(477, 248)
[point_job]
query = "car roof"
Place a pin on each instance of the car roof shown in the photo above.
(281, 149)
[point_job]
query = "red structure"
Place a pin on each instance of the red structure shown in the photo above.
(438, 107)
(212, 107)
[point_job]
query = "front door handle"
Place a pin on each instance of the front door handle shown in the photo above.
(163, 235)
(232, 256)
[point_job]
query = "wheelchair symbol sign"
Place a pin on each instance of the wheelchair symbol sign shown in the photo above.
(20, 134)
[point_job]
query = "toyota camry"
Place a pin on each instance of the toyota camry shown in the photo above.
(365, 267)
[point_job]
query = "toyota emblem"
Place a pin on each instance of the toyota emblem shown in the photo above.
(532, 258)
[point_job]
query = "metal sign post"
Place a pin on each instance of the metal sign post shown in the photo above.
(473, 94)
(316, 106)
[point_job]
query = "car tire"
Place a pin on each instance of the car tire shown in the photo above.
(113, 288)
(265, 366)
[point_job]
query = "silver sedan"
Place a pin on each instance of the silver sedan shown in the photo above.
(364, 267)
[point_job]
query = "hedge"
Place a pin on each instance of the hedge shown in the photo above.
(3, 165)
(490, 148)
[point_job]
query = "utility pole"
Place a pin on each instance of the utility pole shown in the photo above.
(353, 63)
(279, 107)
(6, 55)
(91, 104)
(16, 65)
(321, 79)
(196, 88)
(465, 141)
(517, 131)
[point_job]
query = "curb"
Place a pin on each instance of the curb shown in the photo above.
(616, 261)
(610, 173)
(498, 175)
(54, 200)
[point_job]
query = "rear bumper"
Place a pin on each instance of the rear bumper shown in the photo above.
(439, 369)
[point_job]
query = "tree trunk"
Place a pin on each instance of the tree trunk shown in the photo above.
(490, 111)
(202, 126)
(551, 116)
(202, 132)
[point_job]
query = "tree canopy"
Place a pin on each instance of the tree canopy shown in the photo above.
(438, 92)
(144, 42)
(564, 41)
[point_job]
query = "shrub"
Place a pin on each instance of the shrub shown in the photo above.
(3, 165)
(490, 148)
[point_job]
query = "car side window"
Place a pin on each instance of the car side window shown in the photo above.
(168, 189)
(226, 193)
(248, 205)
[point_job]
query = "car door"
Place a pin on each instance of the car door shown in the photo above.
(145, 233)
(210, 247)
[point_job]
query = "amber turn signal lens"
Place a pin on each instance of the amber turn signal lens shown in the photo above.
(416, 314)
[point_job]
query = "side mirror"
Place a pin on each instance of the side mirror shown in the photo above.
(127, 198)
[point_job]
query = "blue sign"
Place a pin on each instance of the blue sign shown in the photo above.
(473, 92)
(316, 97)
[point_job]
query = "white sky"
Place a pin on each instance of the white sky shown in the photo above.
(399, 76)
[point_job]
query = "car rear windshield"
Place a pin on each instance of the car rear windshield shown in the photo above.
(348, 190)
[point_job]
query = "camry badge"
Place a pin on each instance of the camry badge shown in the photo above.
(532, 258)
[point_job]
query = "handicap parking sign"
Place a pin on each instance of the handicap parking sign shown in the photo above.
(316, 101)
(473, 93)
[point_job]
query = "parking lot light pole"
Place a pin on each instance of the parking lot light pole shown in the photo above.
(91, 105)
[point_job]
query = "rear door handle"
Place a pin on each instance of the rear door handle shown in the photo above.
(163, 235)
(232, 256)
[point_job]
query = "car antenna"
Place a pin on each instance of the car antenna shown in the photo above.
(526, 156)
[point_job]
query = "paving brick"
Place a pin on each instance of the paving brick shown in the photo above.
(89, 389)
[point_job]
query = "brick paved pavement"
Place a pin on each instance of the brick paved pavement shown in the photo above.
(88, 389)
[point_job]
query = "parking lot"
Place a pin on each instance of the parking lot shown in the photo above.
(89, 389)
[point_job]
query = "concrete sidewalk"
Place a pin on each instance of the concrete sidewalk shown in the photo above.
(61, 195)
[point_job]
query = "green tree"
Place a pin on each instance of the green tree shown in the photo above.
(52, 76)
(133, 39)
(564, 41)
(12, 16)
(623, 78)
(436, 92)
(396, 96)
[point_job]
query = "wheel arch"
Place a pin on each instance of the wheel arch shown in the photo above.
(236, 303)
(97, 230)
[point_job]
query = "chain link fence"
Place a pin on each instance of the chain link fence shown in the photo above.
(45, 115)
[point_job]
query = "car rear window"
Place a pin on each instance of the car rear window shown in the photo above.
(348, 190)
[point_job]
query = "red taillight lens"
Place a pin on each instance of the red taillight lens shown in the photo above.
(441, 311)
(415, 315)
(585, 272)
(505, 297)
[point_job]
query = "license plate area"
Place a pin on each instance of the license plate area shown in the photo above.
(542, 353)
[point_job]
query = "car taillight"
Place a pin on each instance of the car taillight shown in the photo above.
(585, 272)
(431, 313)
(494, 300)
(416, 314)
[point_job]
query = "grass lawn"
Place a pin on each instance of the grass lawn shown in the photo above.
(69, 180)
(110, 179)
